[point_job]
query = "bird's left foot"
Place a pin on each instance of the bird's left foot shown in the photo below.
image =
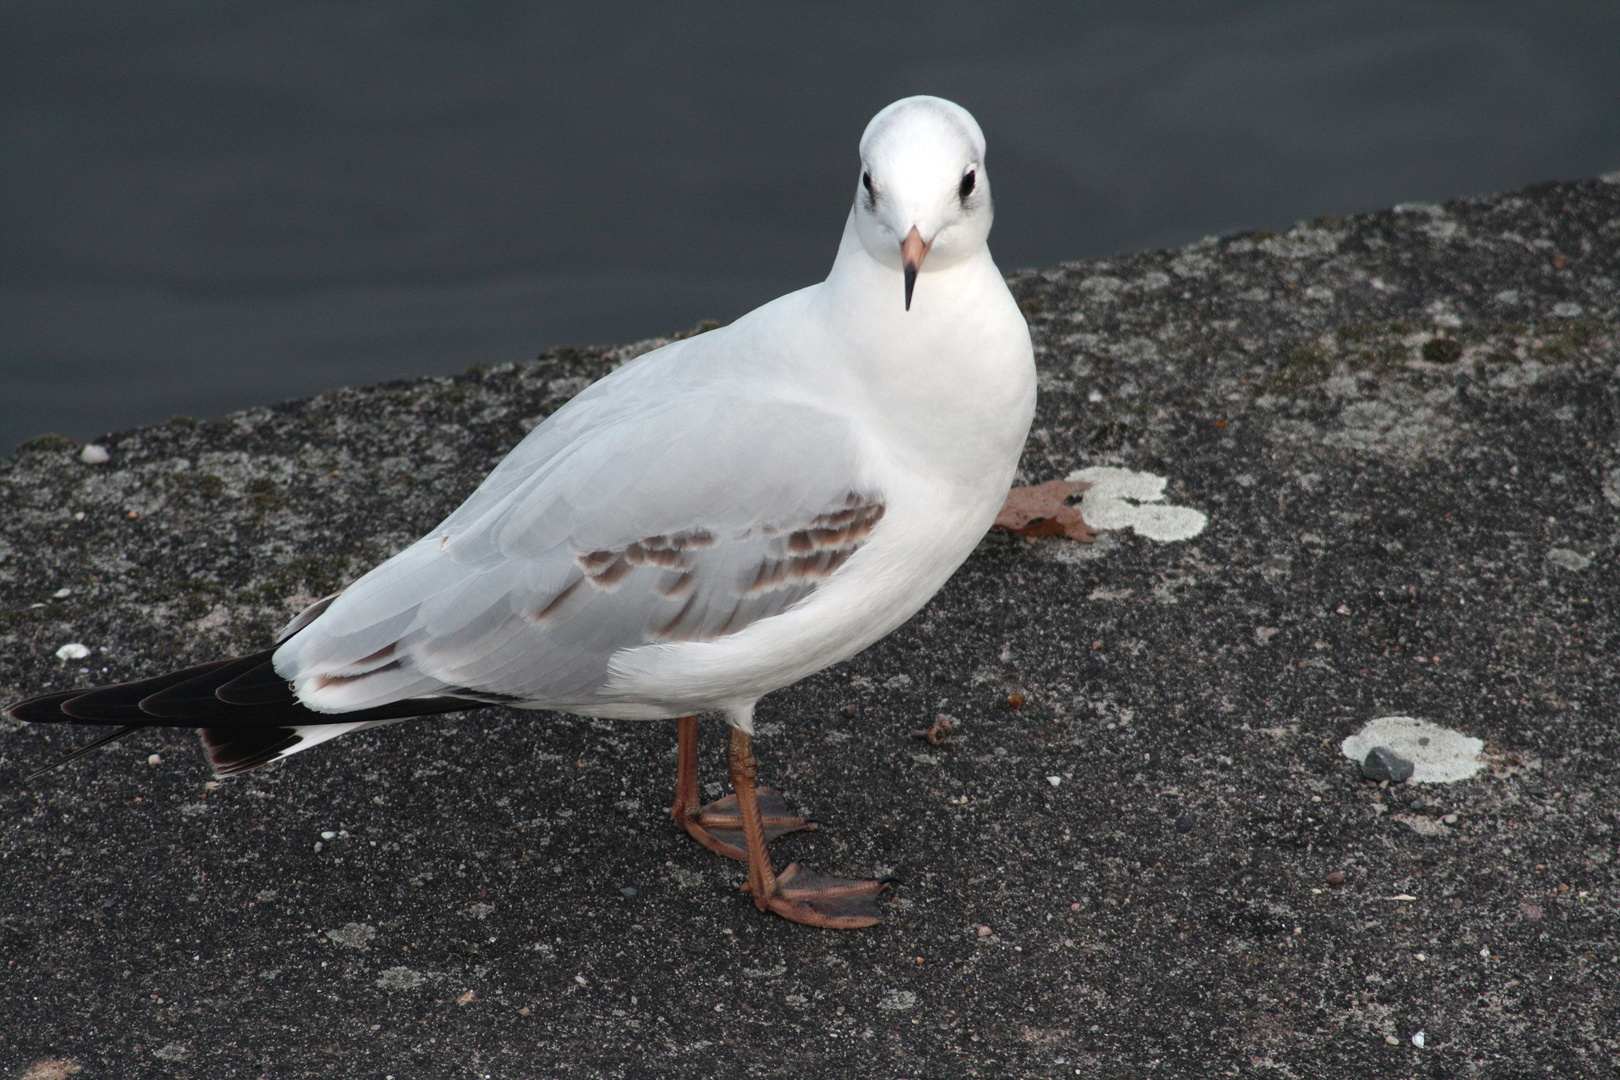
(718, 826)
(832, 903)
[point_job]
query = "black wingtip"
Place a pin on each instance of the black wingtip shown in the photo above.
(44, 709)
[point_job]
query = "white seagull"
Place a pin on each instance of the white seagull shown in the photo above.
(713, 521)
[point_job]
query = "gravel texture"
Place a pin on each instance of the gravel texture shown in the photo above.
(1404, 431)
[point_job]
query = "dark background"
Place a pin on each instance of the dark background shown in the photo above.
(206, 207)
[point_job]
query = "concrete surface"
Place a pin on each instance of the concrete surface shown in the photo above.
(1404, 431)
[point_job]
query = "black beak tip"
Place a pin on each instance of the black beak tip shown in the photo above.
(911, 282)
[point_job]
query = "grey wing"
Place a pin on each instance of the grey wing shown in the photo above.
(684, 520)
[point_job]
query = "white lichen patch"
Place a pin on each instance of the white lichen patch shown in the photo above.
(1568, 559)
(898, 1001)
(400, 978)
(1126, 499)
(1302, 242)
(354, 935)
(1401, 423)
(1438, 755)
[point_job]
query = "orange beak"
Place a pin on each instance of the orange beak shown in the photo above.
(912, 253)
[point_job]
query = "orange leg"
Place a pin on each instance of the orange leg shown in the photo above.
(797, 893)
(717, 825)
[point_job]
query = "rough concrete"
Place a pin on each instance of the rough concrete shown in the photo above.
(1403, 429)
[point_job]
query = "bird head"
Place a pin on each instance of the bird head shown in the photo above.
(923, 194)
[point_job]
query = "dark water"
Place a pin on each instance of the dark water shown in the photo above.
(208, 206)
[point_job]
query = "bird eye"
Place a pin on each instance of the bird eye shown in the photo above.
(866, 182)
(965, 188)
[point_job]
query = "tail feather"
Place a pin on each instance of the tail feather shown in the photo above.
(236, 750)
(248, 715)
(74, 755)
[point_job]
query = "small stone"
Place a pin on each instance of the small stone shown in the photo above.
(1015, 702)
(1442, 350)
(1382, 763)
(628, 891)
(155, 760)
(1055, 781)
(1187, 822)
(73, 650)
(1418, 1040)
(525, 1011)
(93, 454)
(984, 931)
(1335, 878)
(849, 711)
(1392, 1040)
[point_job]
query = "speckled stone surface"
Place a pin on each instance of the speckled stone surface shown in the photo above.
(1404, 429)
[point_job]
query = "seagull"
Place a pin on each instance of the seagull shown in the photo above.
(713, 521)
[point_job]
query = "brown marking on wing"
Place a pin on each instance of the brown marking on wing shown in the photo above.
(377, 657)
(595, 562)
(795, 562)
(672, 631)
(643, 554)
(556, 601)
(842, 529)
(324, 681)
(680, 586)
(690, 540)
(814, 552)
(605, 568)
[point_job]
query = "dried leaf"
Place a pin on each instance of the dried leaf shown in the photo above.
(1043, 510)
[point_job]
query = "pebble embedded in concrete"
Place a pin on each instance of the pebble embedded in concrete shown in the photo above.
(1438, 755)
(1382, 763)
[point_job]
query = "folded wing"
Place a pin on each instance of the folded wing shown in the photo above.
(626, 519)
